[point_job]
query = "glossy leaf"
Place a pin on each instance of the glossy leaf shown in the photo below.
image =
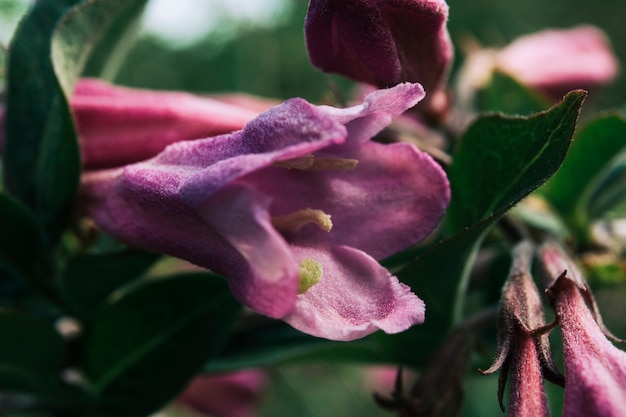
(88, 280)
(588, 172)
(144, 347)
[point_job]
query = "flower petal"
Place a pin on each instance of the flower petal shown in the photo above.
(381, 42)
(557, 61)
(354, 297)
(118, 125)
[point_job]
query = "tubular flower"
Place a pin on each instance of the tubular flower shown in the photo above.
(118, 125)
(522, 353)
(294, 210)
(381, 42)
(595, 370)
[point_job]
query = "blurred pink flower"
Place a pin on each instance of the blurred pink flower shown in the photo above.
(227, 395)
(256, 207)
(560, 60)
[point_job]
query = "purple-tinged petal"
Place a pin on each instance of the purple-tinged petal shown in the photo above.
(557, 61)
(595, 370)
(222, 203)
(354, 297)
(381, 42)
(118, 125)
(527, 396)
(392, 199)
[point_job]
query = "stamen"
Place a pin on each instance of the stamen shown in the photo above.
(311, 272)
(295, 221)
(317, 163)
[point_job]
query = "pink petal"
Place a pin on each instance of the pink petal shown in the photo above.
(354, 297)
(381, 42)
(557, 61)
(118, 125)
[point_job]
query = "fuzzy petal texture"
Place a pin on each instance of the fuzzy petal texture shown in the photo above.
(557, 61)
(595, 370)
(381, 42)
(117, 125)
(355, 297)
(216, 201)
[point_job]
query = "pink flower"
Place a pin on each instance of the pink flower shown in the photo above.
(294, 210)
(595, 370)
(117, 125)
(557, 61)
(381, 42)
(228, 395)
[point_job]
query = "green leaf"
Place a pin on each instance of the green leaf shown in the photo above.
(591, 169)
(31, 356)
(89, 279)
(272, 342)
(35, 114)
(79, 31)
(111, 52)
(144, 347)
(507, 95)
(19, 236)
(50, 48)
(501, 160)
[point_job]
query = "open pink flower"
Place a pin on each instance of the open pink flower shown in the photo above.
(557, 61)
(118, 125)
(381, 42)
(595, 370)
(294, 210)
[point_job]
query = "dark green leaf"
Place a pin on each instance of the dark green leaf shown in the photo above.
(503, 158)
(88, 280)
(272, 342)
(31, 356)
(587, 172)
(19, 236)
(42, 164)
(500, 161)
(143, 348)
(32, 106)
(507, 95)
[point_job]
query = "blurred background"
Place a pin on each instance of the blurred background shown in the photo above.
(257, 47)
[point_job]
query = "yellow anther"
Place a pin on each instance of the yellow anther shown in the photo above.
(311, 272)
(295, 221)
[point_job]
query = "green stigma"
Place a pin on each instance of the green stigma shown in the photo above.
(310, 273)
